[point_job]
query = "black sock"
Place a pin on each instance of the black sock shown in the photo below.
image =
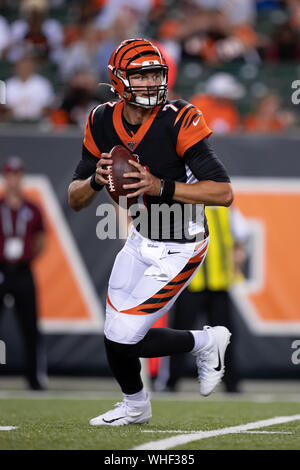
(126, 370)
(160, 342)
(124, 358)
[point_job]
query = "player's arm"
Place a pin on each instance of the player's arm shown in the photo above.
(89, 176)
(213, 187)
(88, 180)
(208, 192)
(80, 194)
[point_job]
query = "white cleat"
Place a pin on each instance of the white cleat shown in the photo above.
(210, 360)
(124, 413)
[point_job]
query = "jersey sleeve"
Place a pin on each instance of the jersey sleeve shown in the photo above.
(89, 141)
(191, 128)
(205, 164)
(86, 167)
(90, 152)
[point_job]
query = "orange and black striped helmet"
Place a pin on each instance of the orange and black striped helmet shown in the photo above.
(134, 56)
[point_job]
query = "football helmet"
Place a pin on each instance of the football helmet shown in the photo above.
(134, 56)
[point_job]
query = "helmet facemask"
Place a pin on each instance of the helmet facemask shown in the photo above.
(147, 96)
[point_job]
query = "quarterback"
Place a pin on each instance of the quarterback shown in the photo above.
(176, 165)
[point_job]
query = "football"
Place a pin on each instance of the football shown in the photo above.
(120, 156)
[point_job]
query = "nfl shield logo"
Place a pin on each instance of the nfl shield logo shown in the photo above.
(131, 145)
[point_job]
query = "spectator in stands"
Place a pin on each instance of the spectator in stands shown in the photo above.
(285, 45)
(217, 104)
(80, 97)
(293, 7)
(4, 36)
(36, 33)
(83, 12)
(124, 26)
(212, 35)
(238, 11)
(29, 96)
(82, 54)
(269, 5)
(111, 9)
(268, 117)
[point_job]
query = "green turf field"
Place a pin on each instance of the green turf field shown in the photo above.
(63, 424)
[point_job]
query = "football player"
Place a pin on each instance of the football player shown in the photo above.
(176, 166)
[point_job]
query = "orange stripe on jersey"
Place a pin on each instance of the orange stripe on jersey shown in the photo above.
(89, 142)
(192, 130)
(181, 112)
(131, 142)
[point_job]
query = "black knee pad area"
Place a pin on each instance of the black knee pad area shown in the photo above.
(128, 350)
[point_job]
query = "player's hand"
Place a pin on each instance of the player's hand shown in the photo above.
(147, 183)
(103, 168)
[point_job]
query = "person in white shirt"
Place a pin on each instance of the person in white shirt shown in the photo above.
(33, 16)
(29, 96)
(5, 36)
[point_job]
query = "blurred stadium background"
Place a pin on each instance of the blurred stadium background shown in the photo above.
(236, 60)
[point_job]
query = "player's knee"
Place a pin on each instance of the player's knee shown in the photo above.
(121, 329)
(122, 349)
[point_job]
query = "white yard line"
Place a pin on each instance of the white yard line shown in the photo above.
(197, 432)
(174, 441)
(266, 432)
(7, 428)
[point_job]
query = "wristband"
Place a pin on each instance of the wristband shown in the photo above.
(94, 185)
(167, 189)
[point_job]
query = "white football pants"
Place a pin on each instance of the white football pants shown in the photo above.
(146, 279)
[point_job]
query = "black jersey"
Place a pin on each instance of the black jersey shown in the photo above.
(166, 143)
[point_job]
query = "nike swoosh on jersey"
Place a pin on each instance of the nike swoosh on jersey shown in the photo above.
(173, 252)
(196, 122)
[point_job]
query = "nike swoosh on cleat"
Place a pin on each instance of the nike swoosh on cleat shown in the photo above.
(112, 420)
(219, 366)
